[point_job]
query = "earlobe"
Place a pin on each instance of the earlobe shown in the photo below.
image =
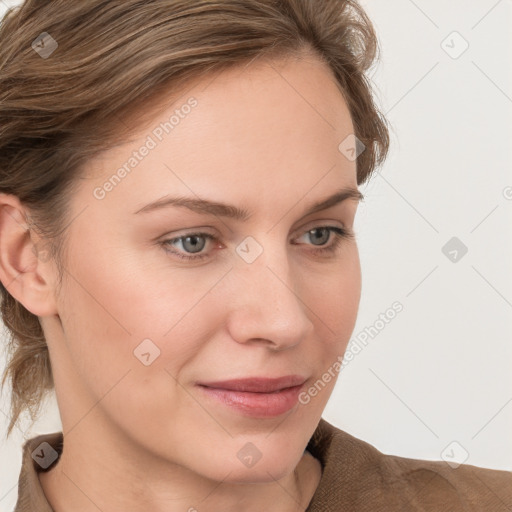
(25, 274)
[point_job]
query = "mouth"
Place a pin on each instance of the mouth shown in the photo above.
(257, 396)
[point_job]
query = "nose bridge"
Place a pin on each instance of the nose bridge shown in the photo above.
(268, 305)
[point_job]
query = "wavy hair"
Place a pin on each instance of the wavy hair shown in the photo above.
(58, 111)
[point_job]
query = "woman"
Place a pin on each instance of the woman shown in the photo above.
(166, 170)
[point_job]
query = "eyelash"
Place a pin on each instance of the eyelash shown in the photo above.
(340, 234)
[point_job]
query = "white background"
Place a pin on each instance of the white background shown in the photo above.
(441, 370)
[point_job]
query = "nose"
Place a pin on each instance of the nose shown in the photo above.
(269, 303)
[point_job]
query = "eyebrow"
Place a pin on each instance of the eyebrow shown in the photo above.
(233, 212)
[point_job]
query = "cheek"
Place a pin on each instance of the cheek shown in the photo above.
(340, 313)
(335, 304)
(107, 313)
(118, 317)
(333, 298)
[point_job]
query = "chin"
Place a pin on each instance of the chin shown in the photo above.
(262, 472)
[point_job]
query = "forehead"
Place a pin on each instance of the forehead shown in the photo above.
(275, 123)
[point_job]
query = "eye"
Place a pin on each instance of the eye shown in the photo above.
(189, 241)
(322, 234)
(193, 243)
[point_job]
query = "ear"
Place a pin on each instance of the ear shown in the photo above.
(24, 270)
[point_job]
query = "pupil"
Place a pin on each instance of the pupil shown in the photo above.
(316, 230)
(195, 246)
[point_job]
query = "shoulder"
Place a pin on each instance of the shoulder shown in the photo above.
(40, 454)
(358, 476)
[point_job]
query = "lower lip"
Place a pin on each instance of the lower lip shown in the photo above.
(259, 405)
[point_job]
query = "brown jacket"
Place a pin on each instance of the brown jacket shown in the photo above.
(356, 478)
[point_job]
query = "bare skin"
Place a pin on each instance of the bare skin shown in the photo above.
(141, 437)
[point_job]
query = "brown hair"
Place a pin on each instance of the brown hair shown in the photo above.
(58, 111)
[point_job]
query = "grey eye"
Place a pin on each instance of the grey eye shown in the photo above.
(192, 243)
(323, 239)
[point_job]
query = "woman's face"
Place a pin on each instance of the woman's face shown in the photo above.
(269, 294)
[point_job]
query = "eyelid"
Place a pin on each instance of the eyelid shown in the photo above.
(318, 223)
(336, 235)
(308, 226)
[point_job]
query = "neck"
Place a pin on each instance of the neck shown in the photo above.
(102, 471)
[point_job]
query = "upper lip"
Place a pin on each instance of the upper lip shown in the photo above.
(257, 384)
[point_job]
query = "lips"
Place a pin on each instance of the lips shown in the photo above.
(257, 397)
(257, 384)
